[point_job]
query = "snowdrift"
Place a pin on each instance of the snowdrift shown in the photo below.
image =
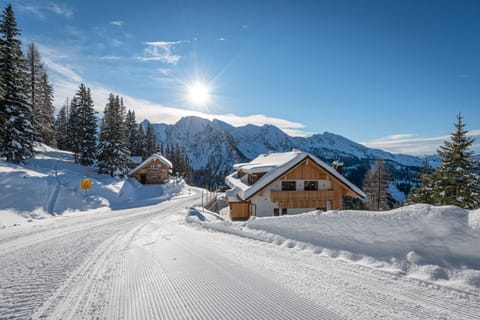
(422, 233)
(435, 244)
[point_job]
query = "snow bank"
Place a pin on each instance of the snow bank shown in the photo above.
(421, 233)
(439, 244)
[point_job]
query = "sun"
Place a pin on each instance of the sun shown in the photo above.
(198, 93)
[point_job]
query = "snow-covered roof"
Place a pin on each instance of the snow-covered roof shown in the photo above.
(155, 156)
(274, 165)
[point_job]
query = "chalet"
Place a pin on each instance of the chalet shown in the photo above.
(286, 183)
(154, 170)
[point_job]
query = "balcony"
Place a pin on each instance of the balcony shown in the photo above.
(316, 195)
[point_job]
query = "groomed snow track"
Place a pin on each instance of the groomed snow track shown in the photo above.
(146, 263)
(133, 265)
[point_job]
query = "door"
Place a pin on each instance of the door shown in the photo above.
(143, 178)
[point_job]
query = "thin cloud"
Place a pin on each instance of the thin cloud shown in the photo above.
(161, 51)
(414, 145)
(41, 11)
(110, 58)
(117, 23)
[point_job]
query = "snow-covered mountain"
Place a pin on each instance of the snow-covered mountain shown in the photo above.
(214, 146)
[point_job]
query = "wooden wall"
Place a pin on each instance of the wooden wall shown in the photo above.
(309, 170)
(155, 171)
(239, 210)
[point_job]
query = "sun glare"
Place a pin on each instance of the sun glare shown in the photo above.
(199, 94)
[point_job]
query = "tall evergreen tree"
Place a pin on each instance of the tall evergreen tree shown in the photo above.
(16, 131)
(150, 141)
(41, 98)
(423, 193)
(131, 132)
(62, 132)
(456, 179)
(113, 153)
(82, 126)
(140, 149)
(375, 185)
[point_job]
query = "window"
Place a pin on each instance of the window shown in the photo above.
(289, 185)
(254, 177)
(276, 212)
(310, 185)
(284, 211)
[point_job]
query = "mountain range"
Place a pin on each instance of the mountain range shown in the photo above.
(214, 146)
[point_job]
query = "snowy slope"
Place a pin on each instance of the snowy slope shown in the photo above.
(49, 185)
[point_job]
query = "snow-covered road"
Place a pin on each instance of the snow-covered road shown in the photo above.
(134, 264)
(148, 263)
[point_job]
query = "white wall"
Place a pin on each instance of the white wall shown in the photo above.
(263, 206)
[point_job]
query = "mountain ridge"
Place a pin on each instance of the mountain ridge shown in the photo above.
(213, 146)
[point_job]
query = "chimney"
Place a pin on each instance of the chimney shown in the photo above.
(338, 166)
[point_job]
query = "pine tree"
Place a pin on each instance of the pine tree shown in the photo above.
(62, 132)
(131, 132)
(375, 185)
(456, 179)
(140, 143)
(16, 131)
(41, 98)
(424, 193)
(113, 153)
(150, 141)
(82, 126)
(187, 170)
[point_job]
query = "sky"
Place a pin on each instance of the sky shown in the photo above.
(388, 74)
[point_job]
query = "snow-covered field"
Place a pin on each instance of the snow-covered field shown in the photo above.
(127, 251)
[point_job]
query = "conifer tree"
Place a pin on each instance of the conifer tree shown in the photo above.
(82, 126)
(131, 132)
(41, 98)
(375, 185)
(140, 143)
(16, 131)
(456, 179)
(423, 193)
(113, 153)
(150, 141)
(62, 132)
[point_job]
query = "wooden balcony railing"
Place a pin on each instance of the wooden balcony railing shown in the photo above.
(302, 195)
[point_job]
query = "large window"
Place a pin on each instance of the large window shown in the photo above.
(310, 185)
(289, 185)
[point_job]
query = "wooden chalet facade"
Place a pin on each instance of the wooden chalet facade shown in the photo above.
(286, 183)
(154, 170)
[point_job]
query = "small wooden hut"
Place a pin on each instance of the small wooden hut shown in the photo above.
(154, 170)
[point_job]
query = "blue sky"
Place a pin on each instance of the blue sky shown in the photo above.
(389, 74)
